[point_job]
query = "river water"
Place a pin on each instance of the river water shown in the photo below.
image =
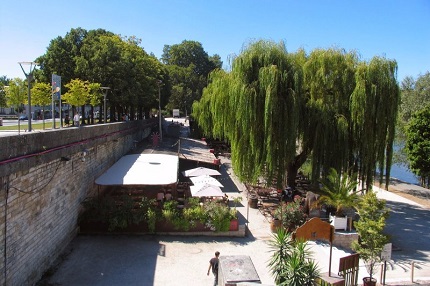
(403, 174)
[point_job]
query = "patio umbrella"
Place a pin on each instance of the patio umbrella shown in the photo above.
(205, 179)
(200, 171)
(206, 191)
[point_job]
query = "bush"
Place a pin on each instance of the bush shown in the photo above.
(292, 214)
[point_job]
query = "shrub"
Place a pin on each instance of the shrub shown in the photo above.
(292, 214)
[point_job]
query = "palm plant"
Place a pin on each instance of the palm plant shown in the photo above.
(290, 263)
(338, 191)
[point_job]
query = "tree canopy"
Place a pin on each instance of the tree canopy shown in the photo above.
(418, 144)
(99, 56)
(188, 66)
(278, 109)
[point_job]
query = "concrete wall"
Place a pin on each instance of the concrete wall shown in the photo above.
(44, 178)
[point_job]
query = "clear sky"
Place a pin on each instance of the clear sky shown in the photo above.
(396, 29)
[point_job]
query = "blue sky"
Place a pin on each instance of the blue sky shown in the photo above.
(395, 29)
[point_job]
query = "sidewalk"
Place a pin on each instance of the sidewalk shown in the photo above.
(175, 260)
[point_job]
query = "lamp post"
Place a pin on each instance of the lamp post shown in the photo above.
(29, 77)
(105, 90)
(159, 110)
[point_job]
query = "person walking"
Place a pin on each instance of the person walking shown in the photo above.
(213, 263)
(76, 119)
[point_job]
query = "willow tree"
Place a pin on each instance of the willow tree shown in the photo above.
(374, 107)
(278, 109)
(255, 108)
(329, 82)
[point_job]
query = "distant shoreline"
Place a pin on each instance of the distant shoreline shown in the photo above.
(409, 191)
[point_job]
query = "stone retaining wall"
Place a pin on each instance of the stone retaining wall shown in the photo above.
(44, 178)
(344, 239)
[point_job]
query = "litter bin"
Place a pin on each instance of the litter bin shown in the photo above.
(1, 121)
(253, 202)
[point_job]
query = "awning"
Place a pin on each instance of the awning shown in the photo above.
(142, 169)
(205, 179)
(200, 171)
(206, 191)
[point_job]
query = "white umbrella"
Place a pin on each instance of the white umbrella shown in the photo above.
(206, 191)
(205, 179)
(200, 171)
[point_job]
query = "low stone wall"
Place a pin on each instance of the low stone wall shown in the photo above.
(344, 239)
(44, 178)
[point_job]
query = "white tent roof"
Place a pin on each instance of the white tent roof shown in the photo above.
(142, 169)
(206, 191)
(205, 179)
(200, 171)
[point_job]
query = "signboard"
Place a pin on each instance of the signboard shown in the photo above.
(56, 87)
(386, 252)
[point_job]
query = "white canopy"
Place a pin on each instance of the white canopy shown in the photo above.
(205, 179)
(206, 191)
(142, 169)
(200, 171)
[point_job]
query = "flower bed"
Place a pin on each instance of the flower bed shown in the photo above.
(124, 215)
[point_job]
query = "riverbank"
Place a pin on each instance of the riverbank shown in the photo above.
(411, 192)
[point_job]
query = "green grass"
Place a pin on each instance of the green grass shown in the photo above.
(34, 126)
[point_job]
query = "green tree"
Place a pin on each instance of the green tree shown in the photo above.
(41, 94)
(414, 95)
(370, 226)
(4, 81)
(374, 108)
(188, 66)
(279, 109)
(16, 94)
(329, 82)
(77, 94)
(418, 144)
(126, 68)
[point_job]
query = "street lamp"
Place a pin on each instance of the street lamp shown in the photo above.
(105, 90)
(29, 77)
(159, 110)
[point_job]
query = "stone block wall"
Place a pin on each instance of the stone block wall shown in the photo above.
(44, 178)
(344, 239)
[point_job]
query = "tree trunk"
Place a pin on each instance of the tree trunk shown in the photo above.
(293, 168)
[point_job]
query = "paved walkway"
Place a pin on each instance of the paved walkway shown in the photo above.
(174, 260)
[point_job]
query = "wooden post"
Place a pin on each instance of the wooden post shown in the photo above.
(412, 271)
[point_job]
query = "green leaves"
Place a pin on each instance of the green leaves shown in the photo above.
(290, 263)
(339, 191)
(370, 227)
(418, 144)
(41, 94)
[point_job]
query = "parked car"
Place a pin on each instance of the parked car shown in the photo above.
(23, 117)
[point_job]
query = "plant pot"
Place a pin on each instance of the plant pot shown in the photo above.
(234, 225)
(339, 222)
(367, 281)
(275, 224)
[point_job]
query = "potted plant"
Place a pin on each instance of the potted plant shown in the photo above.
(234, 223)
(338, 193)
(373, 214)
